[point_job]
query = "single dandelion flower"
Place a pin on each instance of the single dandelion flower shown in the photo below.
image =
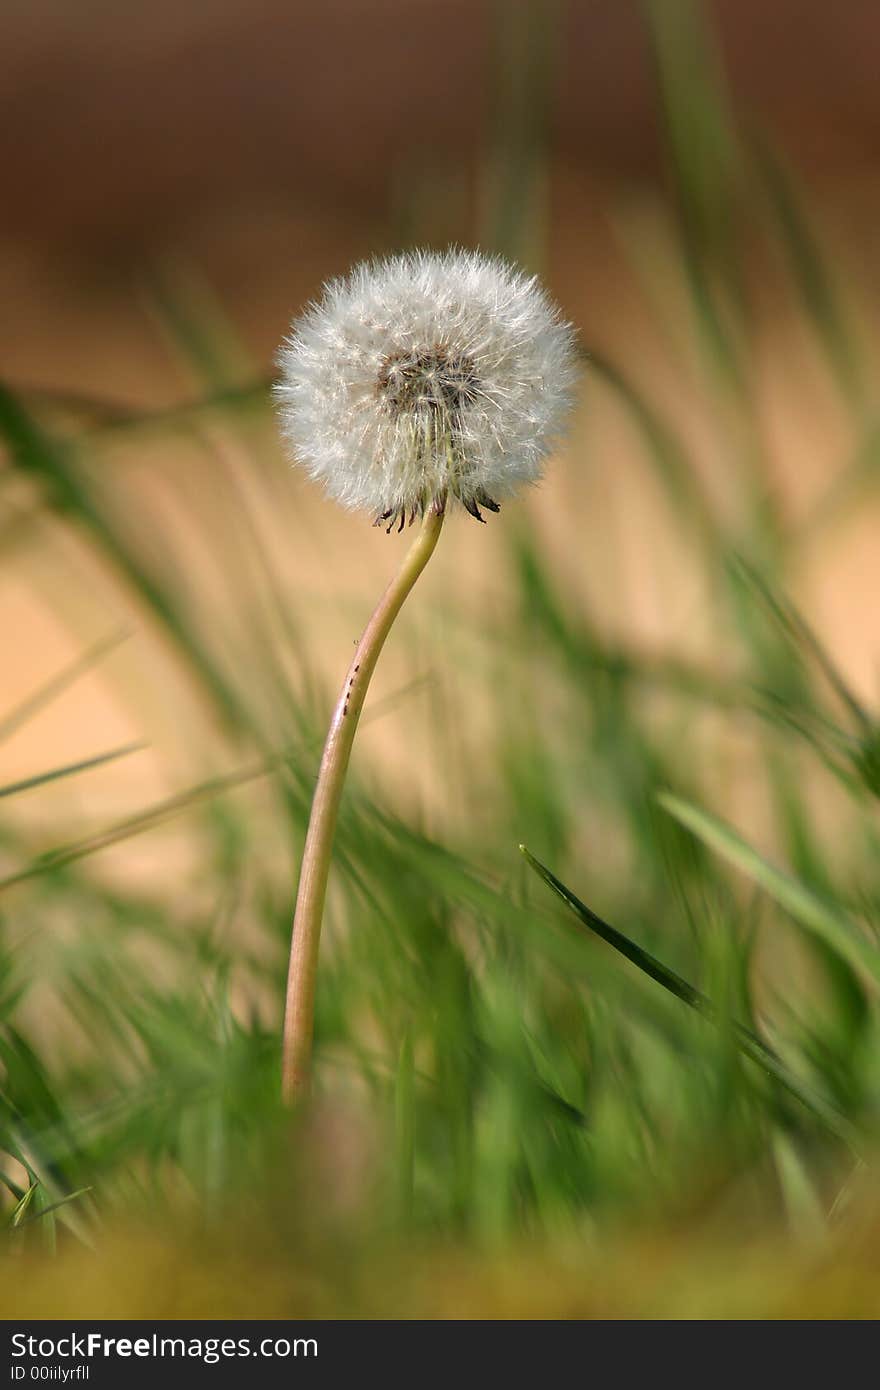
(416, 382)
(424, 376)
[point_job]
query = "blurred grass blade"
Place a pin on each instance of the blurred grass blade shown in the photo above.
(699, 131)
(58, 683)
(199, 332)
(813, 912)
(800, 634)
(19, 1211)
(42, 456)
(853, 484)
(749, 1043)
(705, 164)
(143, 820)
(13, 788)
(52, 1206)
(818, 297)
(405, 1126)
(246, 400)
(665, 449)
(525, 35)
(802, 1201)
(175, 805)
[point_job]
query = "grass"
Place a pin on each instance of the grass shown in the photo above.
(497, 1088)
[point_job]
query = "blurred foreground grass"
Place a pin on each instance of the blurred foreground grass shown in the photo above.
(511, 1117)
(669, 1274)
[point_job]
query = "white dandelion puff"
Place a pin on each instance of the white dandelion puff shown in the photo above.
(426, 376)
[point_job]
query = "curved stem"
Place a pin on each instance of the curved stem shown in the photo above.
(300, 1008)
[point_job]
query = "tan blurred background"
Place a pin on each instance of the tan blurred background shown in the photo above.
(229, 156)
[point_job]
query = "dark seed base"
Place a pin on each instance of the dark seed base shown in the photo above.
(398, 515)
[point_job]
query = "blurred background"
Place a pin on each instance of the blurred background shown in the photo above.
(689, 600)
(198, 171)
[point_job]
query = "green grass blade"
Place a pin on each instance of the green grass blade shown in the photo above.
(824, 919)
(58, 684)
(705, 164)
(199, 332)
(43, 457)
(817, 295)
(749, 1043)
(171, 806)
(665, 450)
(649, 964)
(70, 769)
(405, 1126)
(802, 1201)
(142, 821)
(52, 1206)
(20, 1210)
(525, 43)
(800, 634)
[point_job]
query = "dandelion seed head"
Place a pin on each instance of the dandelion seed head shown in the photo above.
(424, 376)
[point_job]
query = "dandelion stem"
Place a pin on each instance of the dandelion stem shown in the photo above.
(300, 1008)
